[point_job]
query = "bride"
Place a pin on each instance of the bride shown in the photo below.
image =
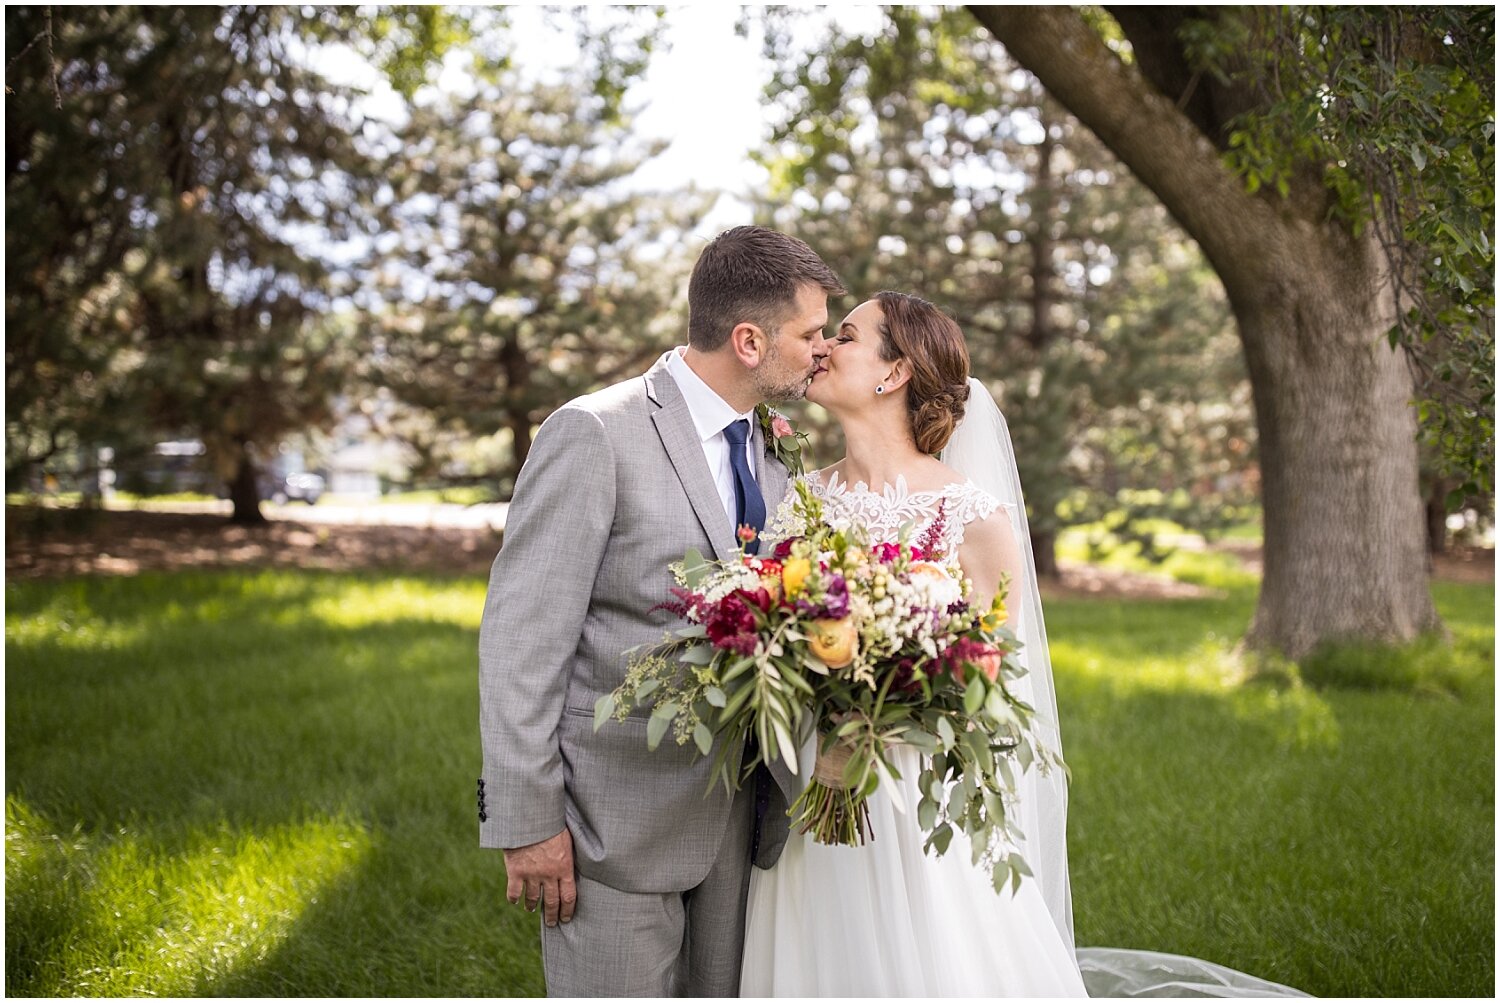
(885, 918)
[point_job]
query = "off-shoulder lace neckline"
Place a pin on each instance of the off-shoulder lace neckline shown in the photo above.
(890, 491)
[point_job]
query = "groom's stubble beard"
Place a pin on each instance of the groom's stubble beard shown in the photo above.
(774, 386)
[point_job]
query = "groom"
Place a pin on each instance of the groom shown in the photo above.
(641, 879)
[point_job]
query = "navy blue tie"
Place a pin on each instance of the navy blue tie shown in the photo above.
(749, 506)
(749, 510)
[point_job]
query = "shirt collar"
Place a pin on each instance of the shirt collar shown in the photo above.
(711, 413)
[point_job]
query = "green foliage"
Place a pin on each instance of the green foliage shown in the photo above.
(1393, 108)
(920, 158)
(189, 226)
(261, 785)
(512, 272)
(168, 170)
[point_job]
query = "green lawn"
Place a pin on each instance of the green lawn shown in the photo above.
(263, 784)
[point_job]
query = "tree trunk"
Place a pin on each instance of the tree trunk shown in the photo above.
(517, 369)
(1345, 555)
(1044, 550)
(518, 420)
(1043, 204)
(1437, 518)
(244, 493)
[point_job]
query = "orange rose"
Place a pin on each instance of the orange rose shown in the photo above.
(989, 663)
(918, 569)
(833, 641)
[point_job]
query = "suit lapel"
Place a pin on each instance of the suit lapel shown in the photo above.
(679, 437)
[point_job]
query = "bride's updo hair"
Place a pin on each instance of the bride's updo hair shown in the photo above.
(933, 346)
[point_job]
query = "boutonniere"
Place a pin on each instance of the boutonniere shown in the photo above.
(784, 441)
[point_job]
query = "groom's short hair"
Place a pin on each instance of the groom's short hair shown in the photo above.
(750, 274)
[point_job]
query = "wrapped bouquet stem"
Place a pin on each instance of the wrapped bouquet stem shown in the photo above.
(832, 807)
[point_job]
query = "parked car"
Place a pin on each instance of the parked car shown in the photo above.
(302, 486)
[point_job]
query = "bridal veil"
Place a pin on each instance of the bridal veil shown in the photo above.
(981, 450)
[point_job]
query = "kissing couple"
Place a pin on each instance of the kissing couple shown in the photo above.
(646, 885)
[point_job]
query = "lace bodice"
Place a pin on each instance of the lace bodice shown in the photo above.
(884, 513)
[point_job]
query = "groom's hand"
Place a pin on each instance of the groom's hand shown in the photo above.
(543, 872)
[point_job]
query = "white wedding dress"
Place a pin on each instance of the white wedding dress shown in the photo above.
(885, 919)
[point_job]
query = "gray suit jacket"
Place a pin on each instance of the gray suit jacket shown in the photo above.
(615, 488)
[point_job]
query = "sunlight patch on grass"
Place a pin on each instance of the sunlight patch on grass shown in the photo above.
(374, 603)
(119, 914)
(1207, 668)
(1208, 568)
(1295, 715)
(67, 622)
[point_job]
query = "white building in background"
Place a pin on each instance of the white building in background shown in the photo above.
(356, 459)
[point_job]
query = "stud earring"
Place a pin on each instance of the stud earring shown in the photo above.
(880, 389)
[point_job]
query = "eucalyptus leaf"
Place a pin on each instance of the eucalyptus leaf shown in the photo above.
(927, 814)
(695, 567)
(604, 709)
(699, 654)
(1000, 876)
(656, 729)
(921, 741)
(974, 695)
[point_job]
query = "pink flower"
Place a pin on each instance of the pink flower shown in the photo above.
(780, 427)
(930, 544)
(746, 533)
(966, 651)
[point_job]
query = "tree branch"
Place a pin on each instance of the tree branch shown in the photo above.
(1159, 142)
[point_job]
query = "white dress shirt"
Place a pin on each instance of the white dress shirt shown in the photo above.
(711, 413)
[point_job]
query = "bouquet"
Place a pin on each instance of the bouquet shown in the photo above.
(873, 644)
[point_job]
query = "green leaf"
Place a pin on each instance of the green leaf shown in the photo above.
(657, 727)
(737, 700)
(1000, 875)
(604, 709)
(787, 746)
(700, 654)
(659, 723)
(927, 813)
(646, 689)
(695, 567)
(940, 838)
(703, 737)
(922, 741)
(974, 695)
(715, 696)
(945, 733)
(1024, 757)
